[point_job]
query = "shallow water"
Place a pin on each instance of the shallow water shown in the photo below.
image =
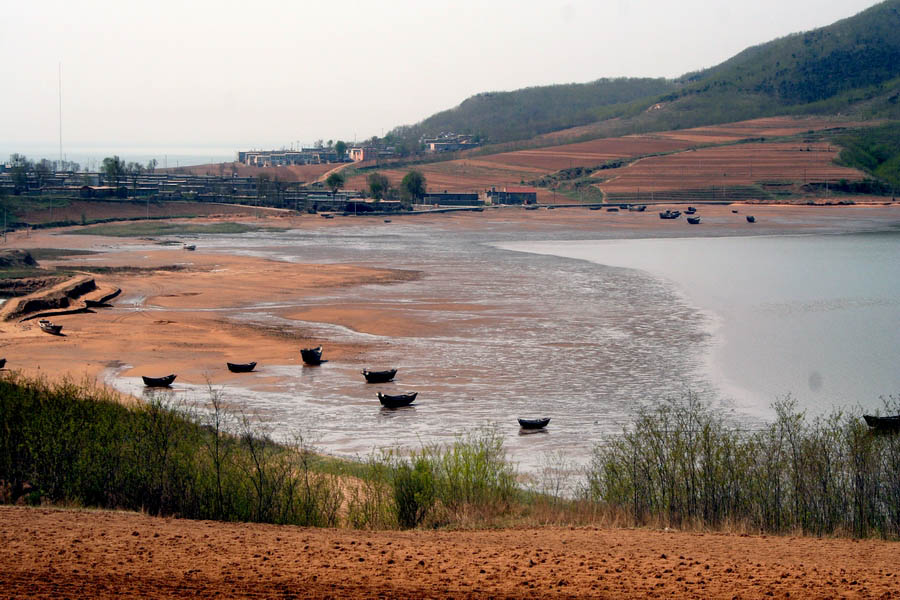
(548, 328)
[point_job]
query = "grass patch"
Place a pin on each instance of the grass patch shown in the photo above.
(56, 253)
(24, 273)
(148, 229)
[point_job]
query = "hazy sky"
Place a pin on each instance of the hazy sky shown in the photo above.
(268, 74)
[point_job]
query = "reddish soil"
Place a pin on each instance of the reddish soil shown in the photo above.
(741, 164)
(99, 554)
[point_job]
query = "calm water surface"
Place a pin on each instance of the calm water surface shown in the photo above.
(586, 332)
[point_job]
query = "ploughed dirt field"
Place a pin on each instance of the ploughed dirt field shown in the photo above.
(727, 166)
(49, 553)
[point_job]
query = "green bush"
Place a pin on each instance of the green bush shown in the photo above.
(414, 491)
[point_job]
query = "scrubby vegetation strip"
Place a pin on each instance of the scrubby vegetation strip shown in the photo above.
(679, 464)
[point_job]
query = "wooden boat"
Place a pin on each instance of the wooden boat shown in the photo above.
(533, 423)
(387, 220)
(690, 210)
(2, 363)
(670, 214)
(49, 327)
(190, 247)
(613, 209)
(751, 219)
(693, 220)
(159, 381)
(883, 423)
(241, 367)
(397, 401)
(312, 356)
(595, 207)
(638, 208)
(378, 376)
(734, 211)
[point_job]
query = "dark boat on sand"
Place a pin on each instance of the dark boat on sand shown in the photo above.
(190, 247)
(241, 367)
(751, 219)
(397, 401)
(378, 376)
(693, 220)
(312, 356)
(2, 363)
(690, 210)
(883, 423)
(670, 214)
(158, 381)
(533, 423)
(49, 327)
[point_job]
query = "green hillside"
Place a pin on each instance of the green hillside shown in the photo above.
(851, 68)
(501, 116)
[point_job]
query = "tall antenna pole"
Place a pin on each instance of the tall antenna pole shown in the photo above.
(60, 116)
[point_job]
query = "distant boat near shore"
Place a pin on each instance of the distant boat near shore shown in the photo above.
(694, 220)
(379, 376)
(533, 423)
(670, 214)
(158, 381)
(883, 423)
(191, 247)
(751, 219)
(312, 356)
(241, 367)
(396, 401)
(49, 327)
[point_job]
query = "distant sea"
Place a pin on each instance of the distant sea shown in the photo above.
(92, 156)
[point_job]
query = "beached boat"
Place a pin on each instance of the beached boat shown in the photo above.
(670, 214)
(531, 207)
(751, 219)
(158, 381)
(241, 367)
(379, 376)
(397, 401)
(387, 220)
(190, 247)
(693, 220)
(690, 210)
(613, 209)
(2, 363)
(312, 356)
(49, 327)
(883, 423)
(327, 216)
(595, 207)
(734, 211)
(638, 208)
(533, 423)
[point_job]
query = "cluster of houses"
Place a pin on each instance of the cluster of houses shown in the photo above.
(444, 142)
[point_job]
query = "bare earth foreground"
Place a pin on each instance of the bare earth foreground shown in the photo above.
(95, 554)
(47, 553)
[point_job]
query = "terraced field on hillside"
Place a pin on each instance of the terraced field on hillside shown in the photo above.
(703, 161)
